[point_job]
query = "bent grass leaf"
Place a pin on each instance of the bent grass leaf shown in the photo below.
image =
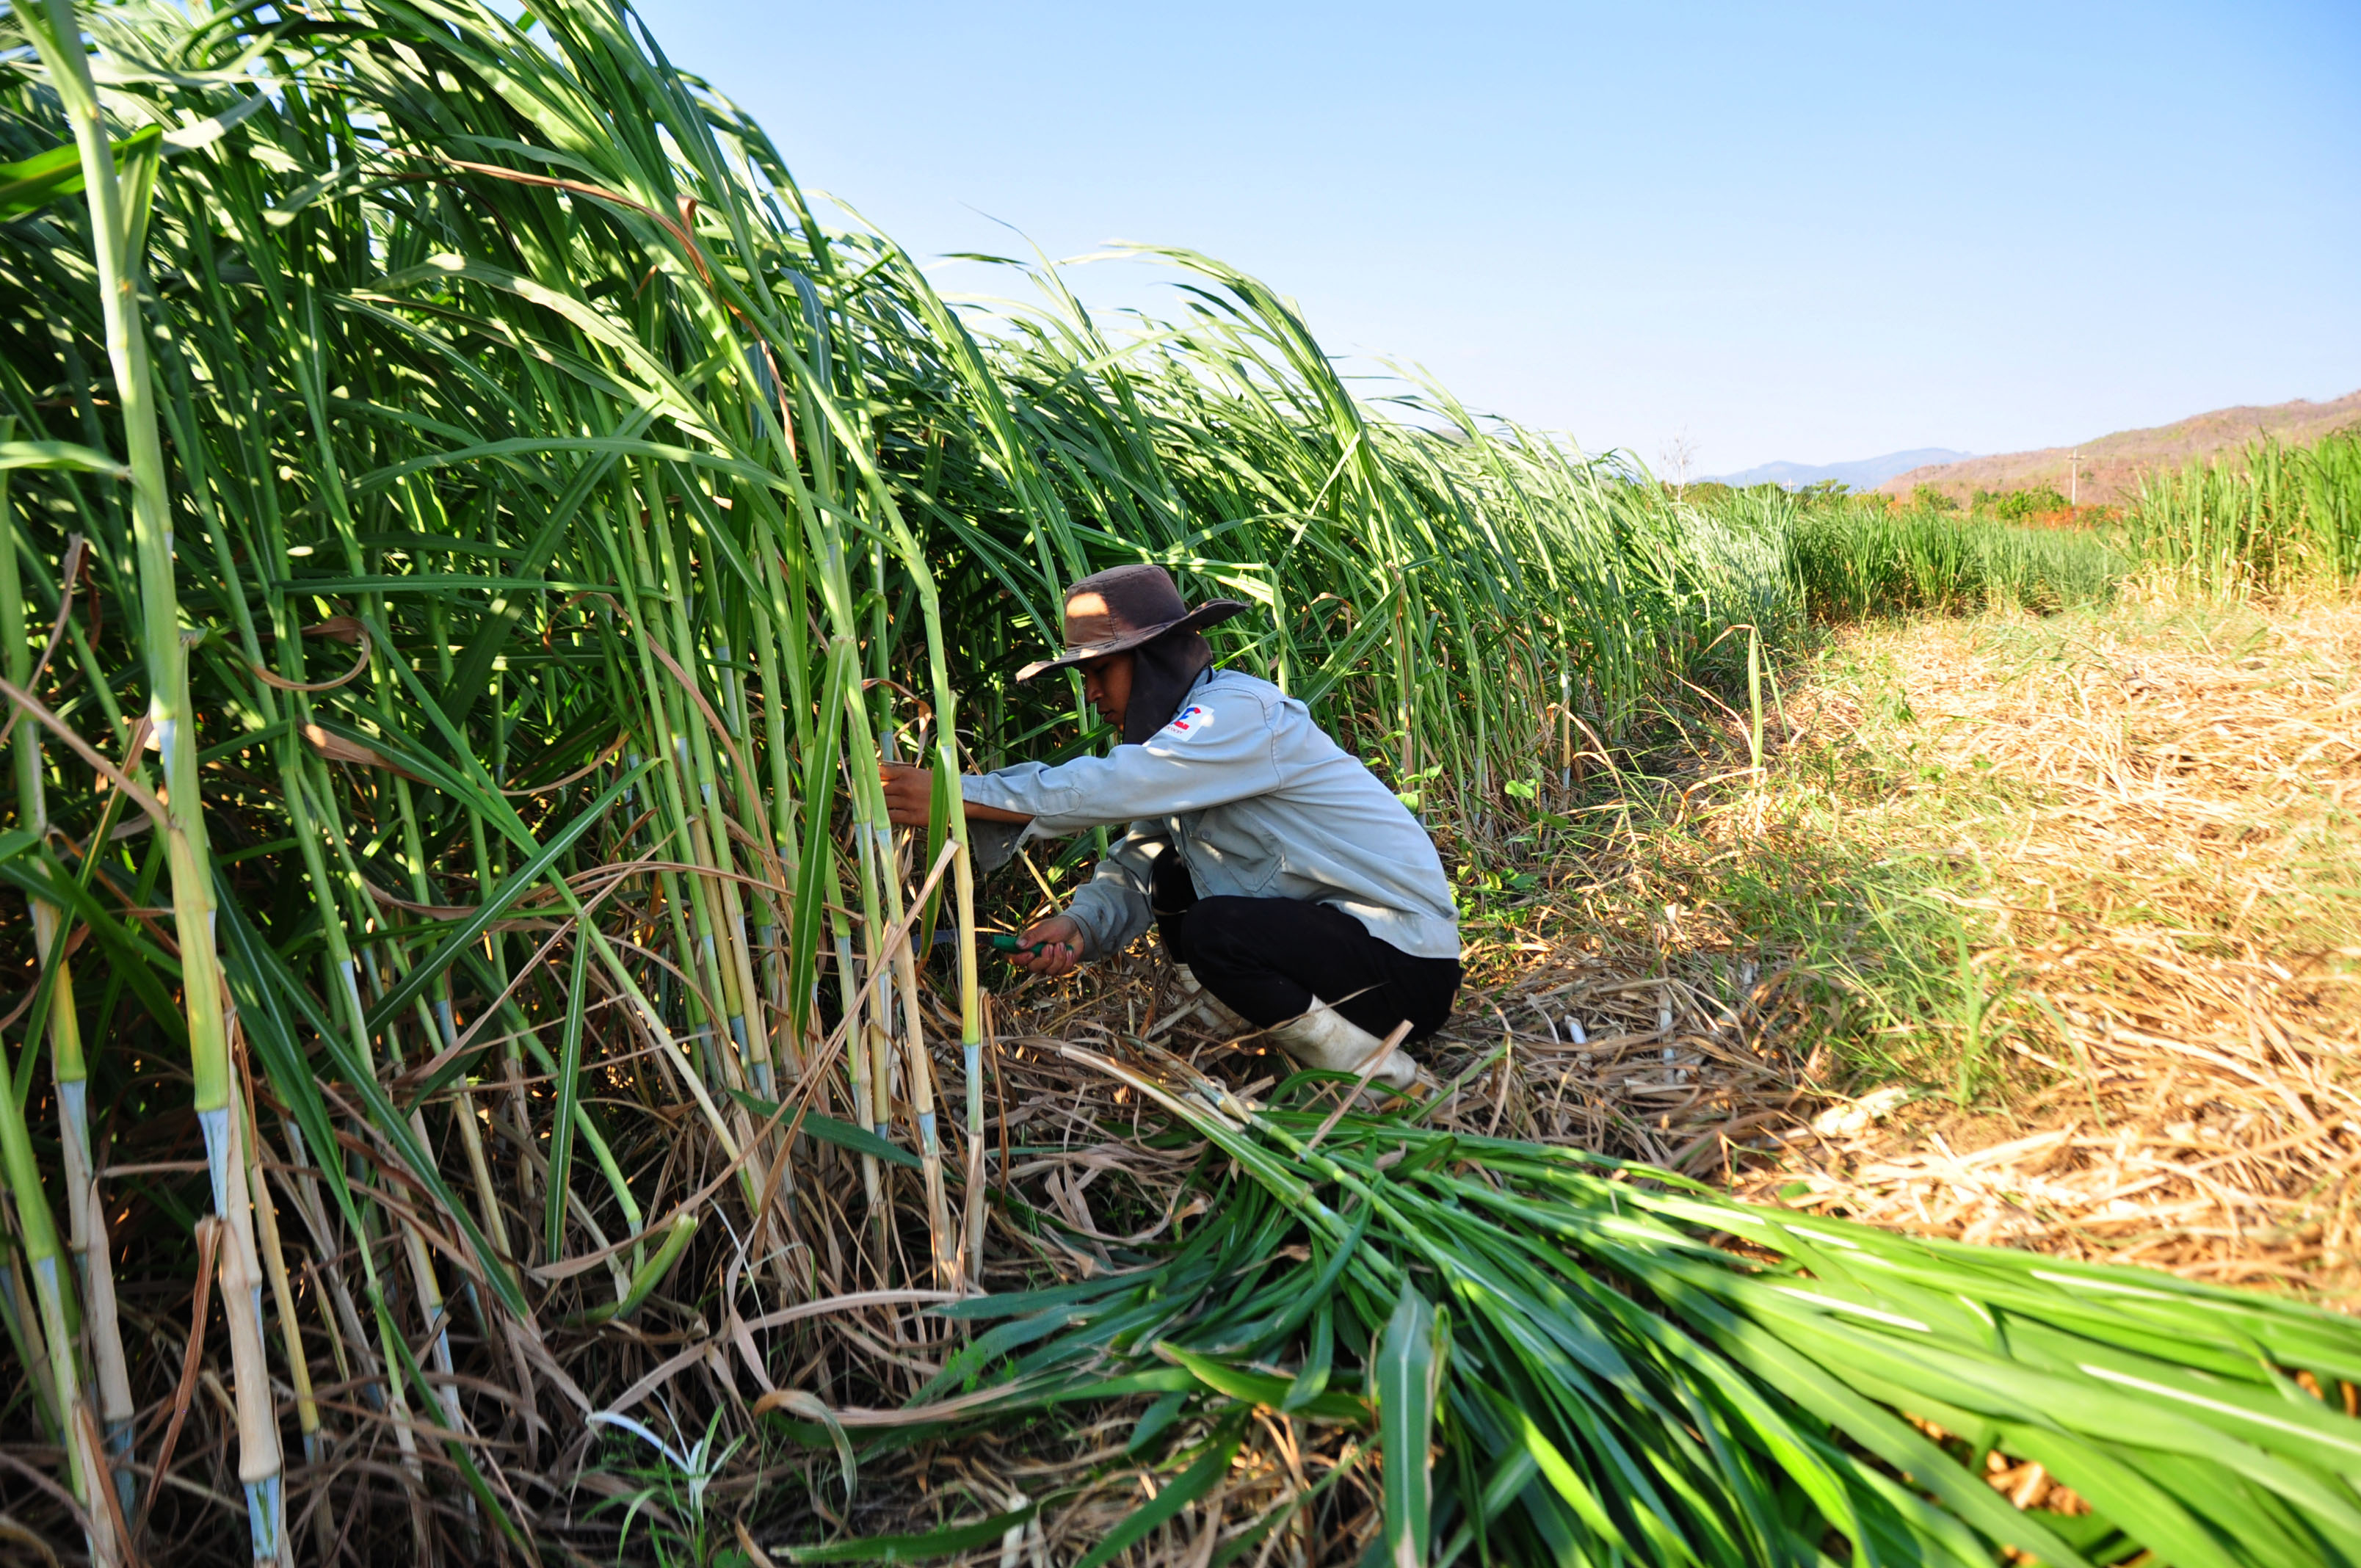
(830, 1130)
(810, 1407)
(1408, 1375)
(62, 455)
(32, 183)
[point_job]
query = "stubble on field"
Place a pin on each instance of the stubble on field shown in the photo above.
(2161, 887)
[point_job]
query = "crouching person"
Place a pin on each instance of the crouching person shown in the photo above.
(1297, 896)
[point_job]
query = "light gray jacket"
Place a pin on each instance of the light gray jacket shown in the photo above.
(1257, 801)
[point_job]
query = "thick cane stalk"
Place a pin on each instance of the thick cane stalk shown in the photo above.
(52, 1293)
(57, 35)
(970, 1043)
(86, 1212)
(893, 979)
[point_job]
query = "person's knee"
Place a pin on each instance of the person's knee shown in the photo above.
(1238, 950)
(1213, 937)
(1434, 990)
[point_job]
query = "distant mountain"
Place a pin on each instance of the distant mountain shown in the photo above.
(2109, 467)
(1867, 473)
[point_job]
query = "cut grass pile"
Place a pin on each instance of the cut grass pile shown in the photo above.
(1577, 1362)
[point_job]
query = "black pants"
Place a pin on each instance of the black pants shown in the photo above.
(1268, 958)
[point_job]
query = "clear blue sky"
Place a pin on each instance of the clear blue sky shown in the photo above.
(1805, 231)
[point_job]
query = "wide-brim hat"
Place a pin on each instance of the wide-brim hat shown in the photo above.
(1123, 606)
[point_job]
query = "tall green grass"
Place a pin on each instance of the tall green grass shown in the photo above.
(546, 521)
(1855, 559)
(2271, 518)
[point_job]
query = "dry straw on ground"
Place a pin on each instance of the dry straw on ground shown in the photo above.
(2172, 931)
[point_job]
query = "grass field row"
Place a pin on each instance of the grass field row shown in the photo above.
(2272, 520)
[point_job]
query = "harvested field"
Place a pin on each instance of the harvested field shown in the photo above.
(2171, 943)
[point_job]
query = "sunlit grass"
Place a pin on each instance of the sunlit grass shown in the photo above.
(547, 523)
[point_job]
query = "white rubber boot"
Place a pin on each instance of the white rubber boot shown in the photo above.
(1216, 1013)
(1324, 1039)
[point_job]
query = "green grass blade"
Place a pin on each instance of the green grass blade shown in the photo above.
(1409, 1372)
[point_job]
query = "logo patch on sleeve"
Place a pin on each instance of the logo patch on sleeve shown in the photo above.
(1193, 719)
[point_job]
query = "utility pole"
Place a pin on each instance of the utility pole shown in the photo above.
(2074, 477)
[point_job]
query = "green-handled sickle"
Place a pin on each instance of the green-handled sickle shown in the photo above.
(998, 941)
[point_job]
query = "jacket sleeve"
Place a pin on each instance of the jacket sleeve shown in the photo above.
(1215, 751)
(1114, 907)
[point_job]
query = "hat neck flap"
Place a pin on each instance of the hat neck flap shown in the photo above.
(1163, 673)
